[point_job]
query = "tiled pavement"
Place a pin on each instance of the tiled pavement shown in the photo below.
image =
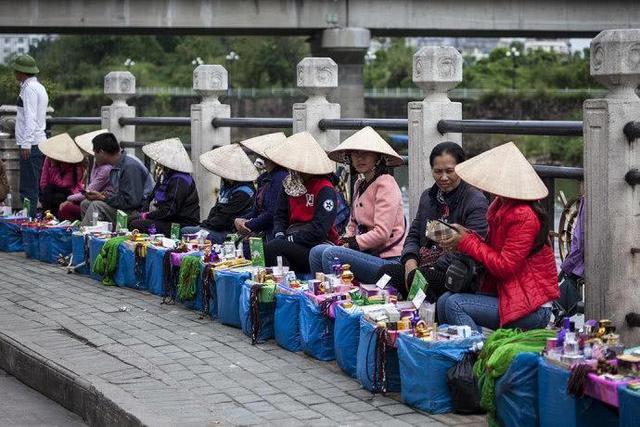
(165, 366)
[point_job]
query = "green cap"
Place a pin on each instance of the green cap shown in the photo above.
(25, 64)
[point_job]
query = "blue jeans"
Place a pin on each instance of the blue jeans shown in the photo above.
(477, 310)
(364, 266)
(30, 170)
(216, 237)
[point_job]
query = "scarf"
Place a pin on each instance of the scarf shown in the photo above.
(106, 262)
(293, 185)
(189, 271)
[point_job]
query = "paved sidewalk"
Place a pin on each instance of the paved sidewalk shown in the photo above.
(162, 365)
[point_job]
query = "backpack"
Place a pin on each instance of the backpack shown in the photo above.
(343, 213)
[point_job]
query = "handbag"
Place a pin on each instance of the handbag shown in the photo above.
(462, 276)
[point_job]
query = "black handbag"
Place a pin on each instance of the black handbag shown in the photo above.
(462, 276)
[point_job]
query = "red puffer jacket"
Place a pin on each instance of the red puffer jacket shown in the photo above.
(523, 282)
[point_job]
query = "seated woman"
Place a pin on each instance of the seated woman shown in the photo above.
(237, 193)
(449, 200)
(62, 171)
(376, 228)
(307, 205)
(521, 278)
(174, 198)
(98, 180)
(260, 220)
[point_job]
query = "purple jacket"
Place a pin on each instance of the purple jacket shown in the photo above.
(98, 181)
(574, 262)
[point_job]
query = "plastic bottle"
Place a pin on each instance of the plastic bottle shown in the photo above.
(152, 229)
(8, 200)
(94, 218)
(336, 267)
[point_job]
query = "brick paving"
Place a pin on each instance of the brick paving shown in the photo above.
(166, 366)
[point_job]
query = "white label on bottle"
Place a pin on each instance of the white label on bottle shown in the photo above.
(419, 298)
(382, 282)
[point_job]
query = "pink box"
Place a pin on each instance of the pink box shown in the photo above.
(603, 389)
(176, 257)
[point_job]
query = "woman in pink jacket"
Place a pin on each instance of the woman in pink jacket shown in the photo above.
(376, 229)
(62, 172)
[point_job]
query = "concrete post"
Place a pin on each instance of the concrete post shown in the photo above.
(316, 78)
(435, 70)
(612, 272)
(209, 82)
(119, 86)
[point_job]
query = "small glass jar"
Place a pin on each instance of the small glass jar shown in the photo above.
(347, 275)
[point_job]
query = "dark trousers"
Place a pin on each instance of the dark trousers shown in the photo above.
(52, 196)
(30, 170)
(434, 276)
(294, 255)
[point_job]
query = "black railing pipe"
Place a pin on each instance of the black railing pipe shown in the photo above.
(632, 130)
(252, 122)
(154, 121)
(353, 124)
(74, 121)
(512, 127)
(140, 144)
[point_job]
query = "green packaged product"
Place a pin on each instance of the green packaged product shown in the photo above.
(175, 231)
(256, 246)
(121, 220)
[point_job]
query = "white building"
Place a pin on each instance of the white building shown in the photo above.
(15, 44)
(558, 46)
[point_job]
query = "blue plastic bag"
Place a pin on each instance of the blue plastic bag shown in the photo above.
(127, 275)
(346, 335)
(517, 392)
(95, 245)
(31, 240)
(266, 315)
(629, 406)
(228, 289)
(286, 328)
(316, 331)
(54, 242)
(77, 254)
(423, 371)
(366, 359)
(557, 408)
(153, 272)
(10, 237)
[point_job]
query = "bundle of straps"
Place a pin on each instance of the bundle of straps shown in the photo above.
(106, 262)
(254, 311)
(140, 253)
(189, 271)
(379, 380)
(170, 276)
(496, 356)
(208, 280)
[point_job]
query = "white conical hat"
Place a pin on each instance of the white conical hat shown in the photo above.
(503, 171)
(259, 144)
(301, 152)
(61, 148)
(229, 162)
(85, 141)
(169, 153)
(366, 139)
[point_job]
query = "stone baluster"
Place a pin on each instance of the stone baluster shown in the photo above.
(119, 86)
(612, 213)
(316, 78)
(209, 82)
(436, 70)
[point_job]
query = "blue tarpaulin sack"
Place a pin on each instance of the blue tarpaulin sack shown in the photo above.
(629, 406)
(559, 409)
(31, 240)
(228, 288)
(95, 245)
(54, 242)
(286, 328)
(266, 311)
(129, 272)
(423, 371)
(366, 369)
(346, 335)
(153, 272)
(196, 303)
(517, 392)
(78, 254)
(316, 331)
(10, 237)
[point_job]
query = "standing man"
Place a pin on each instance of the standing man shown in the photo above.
(30, 125)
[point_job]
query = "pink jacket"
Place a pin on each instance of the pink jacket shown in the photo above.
(379, 213)
(62, 175)
(98, 181)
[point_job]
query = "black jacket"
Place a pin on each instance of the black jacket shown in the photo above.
(177, 200)
(235, 201)
(467, 207)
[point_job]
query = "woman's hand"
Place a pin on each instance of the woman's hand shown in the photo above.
(451, 244)
(409, 266)
(94, 195)
(240, 225)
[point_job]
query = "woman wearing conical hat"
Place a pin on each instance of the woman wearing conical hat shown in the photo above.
(269, 186)
(521, 277)
(62, 171)
(376, 229)
(98, 180)
(174, 198)
(237, 193)
(307, 205)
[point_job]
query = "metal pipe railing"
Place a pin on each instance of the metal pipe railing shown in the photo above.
(74, 121)
(154, 121)
(514, 127)
(252, 122)
(354, 124)
(140, 144)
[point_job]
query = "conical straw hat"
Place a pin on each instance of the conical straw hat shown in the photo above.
(61, 148)
(366, 139)
(260, 143)
(229, 162)
(503, 171)
(85, 141)
(301, 152)
(169, 153)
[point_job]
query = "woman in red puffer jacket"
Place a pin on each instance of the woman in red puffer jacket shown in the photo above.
(521, 279)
